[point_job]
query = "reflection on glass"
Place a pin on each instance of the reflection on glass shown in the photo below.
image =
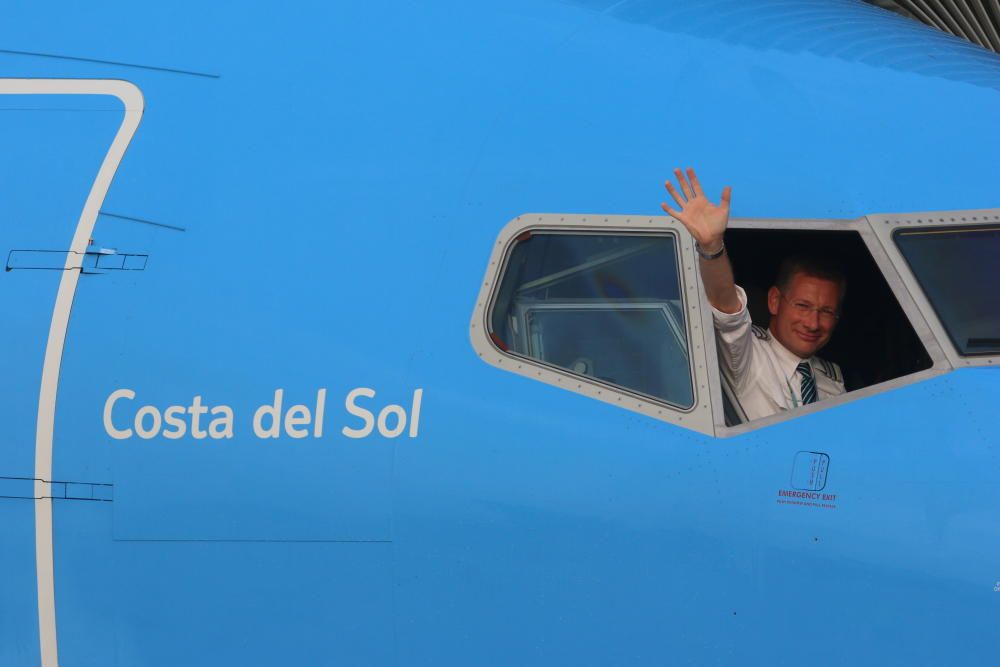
(957, 270)
(606, 307)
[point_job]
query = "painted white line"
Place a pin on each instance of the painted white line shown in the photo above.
(131, 97)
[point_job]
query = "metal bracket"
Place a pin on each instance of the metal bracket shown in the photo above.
(94, 260)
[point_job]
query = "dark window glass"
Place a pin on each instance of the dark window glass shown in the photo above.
(957, 270)
(607, 307)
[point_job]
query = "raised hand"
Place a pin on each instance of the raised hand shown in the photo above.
(704, 220)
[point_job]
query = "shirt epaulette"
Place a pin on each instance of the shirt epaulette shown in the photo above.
(830, 369)
(760, 332)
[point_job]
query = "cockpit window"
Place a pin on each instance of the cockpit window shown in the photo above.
(603, 306)
(957, 271)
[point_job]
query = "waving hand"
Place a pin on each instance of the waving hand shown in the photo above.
(707, 223)
(704, 220)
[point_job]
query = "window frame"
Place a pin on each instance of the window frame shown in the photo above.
(885, 225)
(700, 416)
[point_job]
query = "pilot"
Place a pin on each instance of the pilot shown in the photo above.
(771, 369)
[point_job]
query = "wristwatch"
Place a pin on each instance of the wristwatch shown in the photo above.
(713, 255)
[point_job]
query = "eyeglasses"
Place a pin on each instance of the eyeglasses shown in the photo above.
(804, 308)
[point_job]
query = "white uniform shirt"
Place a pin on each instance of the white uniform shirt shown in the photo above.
(761, 370)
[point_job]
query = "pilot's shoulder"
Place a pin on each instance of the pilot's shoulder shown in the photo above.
(829, 369)
(760, 332)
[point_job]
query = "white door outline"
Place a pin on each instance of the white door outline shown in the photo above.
(131, 97)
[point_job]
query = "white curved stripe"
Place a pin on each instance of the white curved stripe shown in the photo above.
(131, 97)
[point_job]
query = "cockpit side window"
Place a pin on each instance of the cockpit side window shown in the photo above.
(602, 306)
(946, 262)
(956, 267)
(606, 307)
(874, 341)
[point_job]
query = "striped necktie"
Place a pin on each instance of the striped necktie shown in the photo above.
(808, 383)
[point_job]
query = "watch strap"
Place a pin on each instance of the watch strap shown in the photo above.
(710, 255)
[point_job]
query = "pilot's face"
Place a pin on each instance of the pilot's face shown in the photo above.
(804, 315)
